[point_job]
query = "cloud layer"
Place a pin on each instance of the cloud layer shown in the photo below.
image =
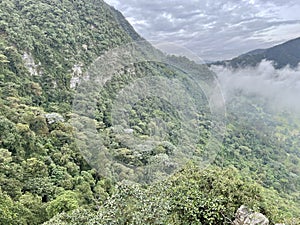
(217, 29)
(280, 88)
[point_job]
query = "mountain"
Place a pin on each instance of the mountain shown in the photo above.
(45, 48)
(126, 26)
(281, 55)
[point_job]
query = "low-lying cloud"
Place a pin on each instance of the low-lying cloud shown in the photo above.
(281, 88)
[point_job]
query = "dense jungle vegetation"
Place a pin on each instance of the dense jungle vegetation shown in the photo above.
(44, 177)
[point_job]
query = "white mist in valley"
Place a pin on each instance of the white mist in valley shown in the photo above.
(280, 88)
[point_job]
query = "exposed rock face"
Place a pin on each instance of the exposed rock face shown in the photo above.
(54, 118)
(245, 216)
(77, 70)
(76, 74)
(74, 81)
(30, 64)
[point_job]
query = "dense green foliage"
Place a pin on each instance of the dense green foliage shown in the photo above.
(189, 197)
(43, 176)
(42, 172)
(59, 35)
(266, 143)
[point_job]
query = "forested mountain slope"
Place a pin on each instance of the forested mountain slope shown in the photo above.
(287, 53)
(43, 44)
(45, 47)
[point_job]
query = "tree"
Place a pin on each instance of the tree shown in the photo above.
(65, 202)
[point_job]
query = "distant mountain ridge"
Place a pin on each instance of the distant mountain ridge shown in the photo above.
(281, 55)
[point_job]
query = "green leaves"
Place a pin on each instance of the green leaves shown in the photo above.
(65, 202)
(13, 213)
(42, 173)
(191, 196)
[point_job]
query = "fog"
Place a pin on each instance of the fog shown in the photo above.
(281, 88)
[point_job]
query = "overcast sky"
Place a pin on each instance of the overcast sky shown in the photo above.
(214, 29)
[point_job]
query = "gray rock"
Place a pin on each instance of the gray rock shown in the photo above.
(244, 216)
(128, 131)
(54, 118)
(31, 65)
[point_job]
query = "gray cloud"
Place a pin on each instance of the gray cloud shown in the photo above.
(280, 88)
(214, 29)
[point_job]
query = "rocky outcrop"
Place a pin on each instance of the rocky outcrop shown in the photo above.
(54, 118)
(29, 63)
(76, 74)
(244, 216)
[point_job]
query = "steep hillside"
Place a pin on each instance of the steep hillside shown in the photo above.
(281, 55)
(45, 48)
(59, 39)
